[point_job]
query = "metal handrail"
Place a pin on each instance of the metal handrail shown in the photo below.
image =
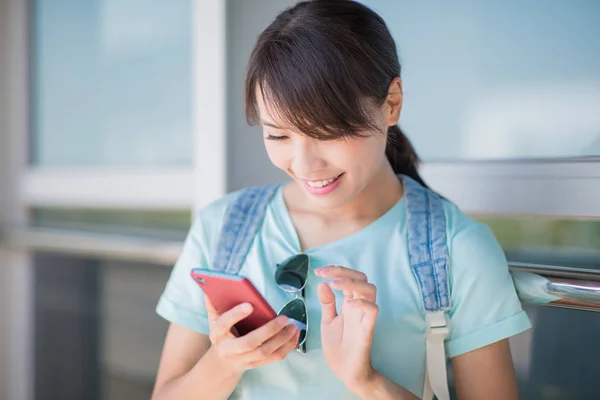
(93, 245)
(553, 285)
(565, 287)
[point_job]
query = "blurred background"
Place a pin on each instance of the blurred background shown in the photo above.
(120, 118)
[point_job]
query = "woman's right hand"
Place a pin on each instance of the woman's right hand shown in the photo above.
(271, 342)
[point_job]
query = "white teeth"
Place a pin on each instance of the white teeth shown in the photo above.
(320, 184)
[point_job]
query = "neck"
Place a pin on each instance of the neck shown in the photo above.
(381, 193)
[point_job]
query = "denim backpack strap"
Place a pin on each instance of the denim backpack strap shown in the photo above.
(242, 220)
(428, 255)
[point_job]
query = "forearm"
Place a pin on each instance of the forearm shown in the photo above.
(382, 388)
(210, 379)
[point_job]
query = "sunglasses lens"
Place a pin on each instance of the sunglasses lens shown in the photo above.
(295, 310)
(292, 273)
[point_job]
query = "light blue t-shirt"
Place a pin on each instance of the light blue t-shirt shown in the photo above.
(485, 306)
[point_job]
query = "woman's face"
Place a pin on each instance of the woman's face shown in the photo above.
(331, 172)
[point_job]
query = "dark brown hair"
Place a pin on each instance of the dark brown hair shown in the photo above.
(325, 64)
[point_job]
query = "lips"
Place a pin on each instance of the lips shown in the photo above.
(324, 186)
(317, 184)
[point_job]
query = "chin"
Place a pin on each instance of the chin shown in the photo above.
(326, 204)
(332, 200)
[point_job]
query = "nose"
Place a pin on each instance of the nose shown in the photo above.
(307, 158)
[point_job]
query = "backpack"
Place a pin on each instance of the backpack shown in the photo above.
(428, 255)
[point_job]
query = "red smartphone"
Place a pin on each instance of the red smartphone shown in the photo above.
(226, 291)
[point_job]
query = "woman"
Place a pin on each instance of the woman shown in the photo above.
(324, 82)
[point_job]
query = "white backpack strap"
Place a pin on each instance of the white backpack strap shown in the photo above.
(428, 254)
(436, 377)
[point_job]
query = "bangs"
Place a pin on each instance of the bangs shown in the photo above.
(310, 88)
(324, 69)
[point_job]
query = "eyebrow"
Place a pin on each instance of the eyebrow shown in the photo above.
(271, 124)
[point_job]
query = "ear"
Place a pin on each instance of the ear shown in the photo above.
(393, 102)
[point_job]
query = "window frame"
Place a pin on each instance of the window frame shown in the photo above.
(28, 186)
(557, 188)
(190, 187)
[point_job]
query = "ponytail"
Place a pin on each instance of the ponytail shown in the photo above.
(402, 155)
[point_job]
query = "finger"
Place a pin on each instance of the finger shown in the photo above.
(268, 348)
(370, 309)
(336, 271)
(327, 300)
(357, 289)
(280, 353)
(224, 324)
(257, 337)
(211, 310)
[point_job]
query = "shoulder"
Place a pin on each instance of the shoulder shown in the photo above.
(473, 249)
(485, 307)
(474, 252)
(211, 216)
(462, 230)
(208, 221)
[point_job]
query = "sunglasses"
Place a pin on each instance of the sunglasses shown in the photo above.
(291, 276)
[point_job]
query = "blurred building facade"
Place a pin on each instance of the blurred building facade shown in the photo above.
(120, 118)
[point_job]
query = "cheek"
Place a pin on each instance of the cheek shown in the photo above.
(362, 154)
(277, 154)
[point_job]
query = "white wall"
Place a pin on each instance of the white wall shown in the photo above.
(15, 294)
(3, 201)
(247, 161)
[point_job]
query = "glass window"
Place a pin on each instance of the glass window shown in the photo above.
(550, 241)
(97, 335)
(160, 224)
(132, 334)
(556, 359)
(499, 80)
(111, 82)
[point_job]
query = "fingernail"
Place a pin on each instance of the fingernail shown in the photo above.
(282, 320)
(246, 307)
(322, 270)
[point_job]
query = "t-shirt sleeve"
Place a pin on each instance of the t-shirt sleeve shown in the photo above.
(485, 306)
(182, 301)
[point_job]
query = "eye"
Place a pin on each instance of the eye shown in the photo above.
(273, 137)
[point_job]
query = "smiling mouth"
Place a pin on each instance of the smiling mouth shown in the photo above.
(323, 183)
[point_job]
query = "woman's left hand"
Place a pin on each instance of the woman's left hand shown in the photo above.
(347, 336)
